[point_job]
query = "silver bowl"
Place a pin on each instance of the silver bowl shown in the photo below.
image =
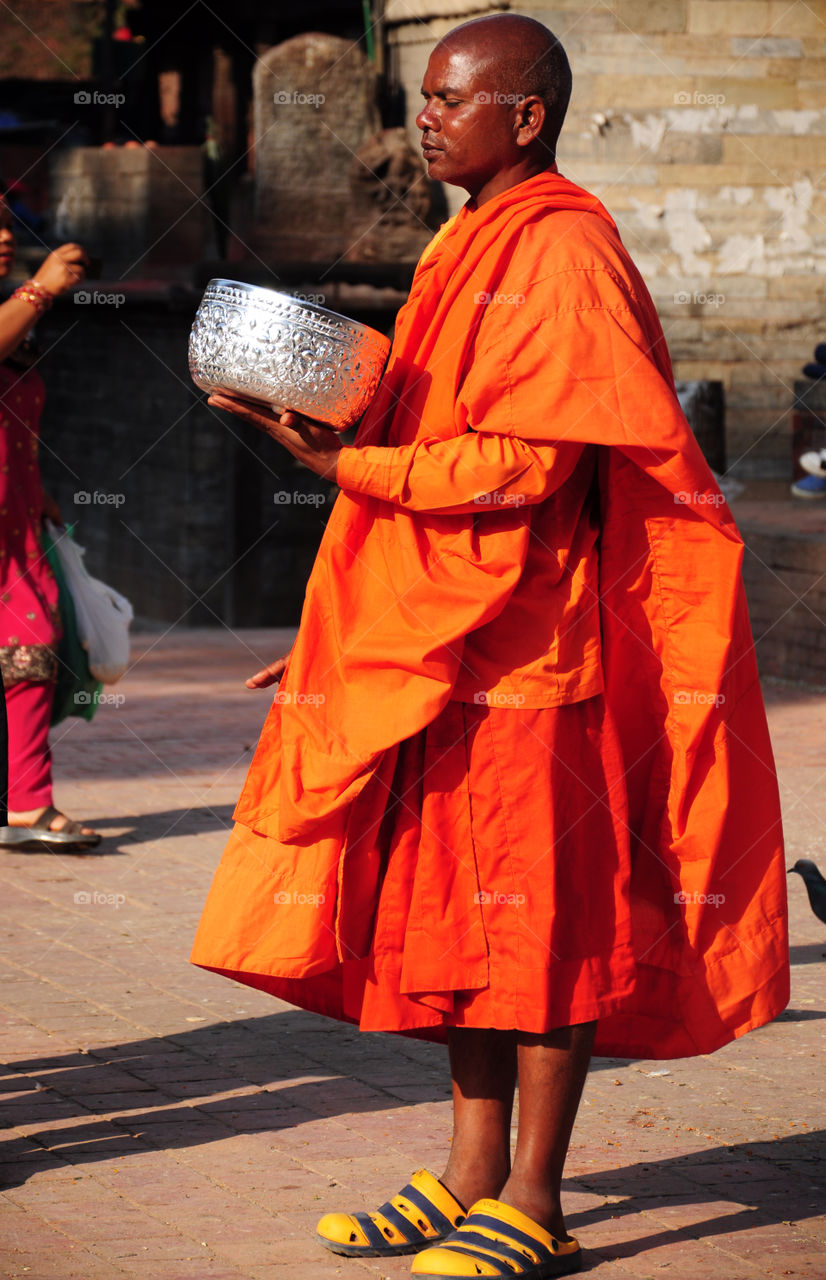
(278, 350)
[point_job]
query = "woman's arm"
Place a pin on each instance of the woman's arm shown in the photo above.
(62, 269)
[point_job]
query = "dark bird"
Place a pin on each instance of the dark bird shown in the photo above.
(815, 885)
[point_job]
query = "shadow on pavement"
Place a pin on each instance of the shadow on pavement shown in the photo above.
(745, 1186)
(800, 1015)
(122, 833)
(128, 1098)
(167, 822)
(133, 1096)
(808, 952)
(274, 1073)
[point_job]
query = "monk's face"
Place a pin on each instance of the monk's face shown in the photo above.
(468, 123)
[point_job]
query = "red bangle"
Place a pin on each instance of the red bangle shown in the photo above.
(35, 294)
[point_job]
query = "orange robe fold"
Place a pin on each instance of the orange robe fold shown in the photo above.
(526, 323)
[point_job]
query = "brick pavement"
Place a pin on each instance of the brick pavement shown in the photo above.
(164, 1123)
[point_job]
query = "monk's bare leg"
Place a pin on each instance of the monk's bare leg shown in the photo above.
(552, 1072)
(483, 1070)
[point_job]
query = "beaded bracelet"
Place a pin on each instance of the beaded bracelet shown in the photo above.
(34, 293)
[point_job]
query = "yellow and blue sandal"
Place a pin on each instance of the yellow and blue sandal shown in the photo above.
(497, 1240)
(423, 1213)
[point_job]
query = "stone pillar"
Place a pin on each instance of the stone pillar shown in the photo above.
(315, 104)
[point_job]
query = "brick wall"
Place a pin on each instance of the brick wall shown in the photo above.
(702, 125)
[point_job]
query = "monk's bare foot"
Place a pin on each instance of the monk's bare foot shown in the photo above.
(537, 1203)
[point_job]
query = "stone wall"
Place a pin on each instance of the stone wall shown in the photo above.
(137, 208)
(702, 125)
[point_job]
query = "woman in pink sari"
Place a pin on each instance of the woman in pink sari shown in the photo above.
(29, 619)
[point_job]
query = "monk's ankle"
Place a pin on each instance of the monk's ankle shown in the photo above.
(537, 1204)
(474, 1183)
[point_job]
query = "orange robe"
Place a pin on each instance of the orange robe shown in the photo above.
(528, 335)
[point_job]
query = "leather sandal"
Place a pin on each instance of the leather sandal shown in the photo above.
(423, 1213)
(497, 1240)
(39, 836)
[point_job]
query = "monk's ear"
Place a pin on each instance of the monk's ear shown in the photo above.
(530, 120)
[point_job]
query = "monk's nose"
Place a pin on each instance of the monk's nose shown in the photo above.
(427, 120)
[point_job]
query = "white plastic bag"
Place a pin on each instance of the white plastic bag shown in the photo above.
(103, 615)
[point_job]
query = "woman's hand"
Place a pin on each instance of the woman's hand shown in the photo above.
(270, 675)
(63, 269)
(310, 442)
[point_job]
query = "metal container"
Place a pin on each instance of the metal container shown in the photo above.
(280, 351)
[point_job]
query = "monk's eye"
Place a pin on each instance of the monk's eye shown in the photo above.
(453, 102)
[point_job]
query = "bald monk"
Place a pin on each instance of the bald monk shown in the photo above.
(516, 794)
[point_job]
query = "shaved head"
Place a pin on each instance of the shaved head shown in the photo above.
(495, 95)
(523, 58)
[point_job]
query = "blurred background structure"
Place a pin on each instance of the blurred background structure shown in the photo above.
(277, 144)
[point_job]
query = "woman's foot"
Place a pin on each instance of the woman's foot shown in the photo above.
(58, 822)
(46, 830)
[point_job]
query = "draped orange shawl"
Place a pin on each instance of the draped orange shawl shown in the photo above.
(393, 593)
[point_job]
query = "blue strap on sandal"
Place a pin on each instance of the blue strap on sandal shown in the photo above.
(497, 1240)
(423, 1213)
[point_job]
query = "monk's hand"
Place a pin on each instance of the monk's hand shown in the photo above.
(313, 444)
(269, 675)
